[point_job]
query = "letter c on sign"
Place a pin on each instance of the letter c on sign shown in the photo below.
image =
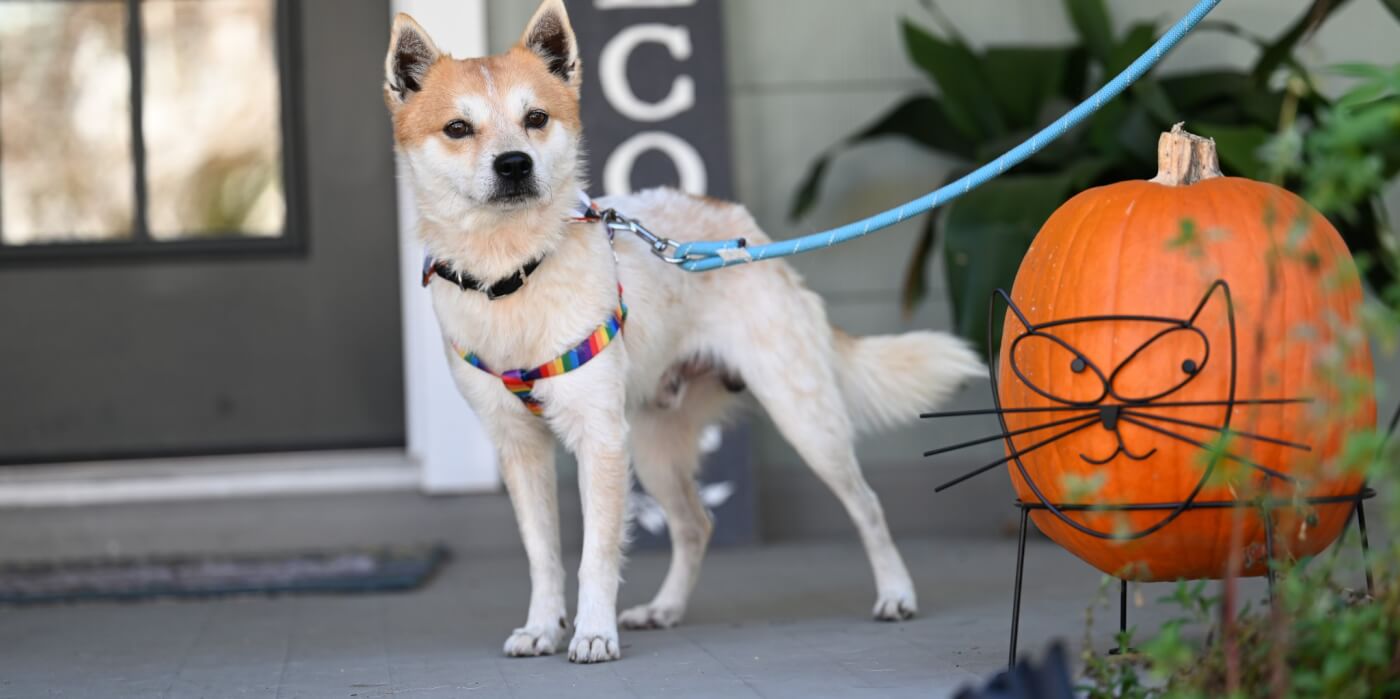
(612, 71)
(617, 173)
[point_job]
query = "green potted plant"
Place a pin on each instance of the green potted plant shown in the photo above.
(990, 99)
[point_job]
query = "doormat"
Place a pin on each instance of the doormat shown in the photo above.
(132, 579)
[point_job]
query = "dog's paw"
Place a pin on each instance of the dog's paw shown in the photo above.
(594, 647)
(896, 606)
(529, 641)
(650, 616)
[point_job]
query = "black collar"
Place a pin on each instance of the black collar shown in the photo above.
(503, 287)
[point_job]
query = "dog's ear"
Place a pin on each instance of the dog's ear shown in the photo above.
(411, 53)
(550, 36)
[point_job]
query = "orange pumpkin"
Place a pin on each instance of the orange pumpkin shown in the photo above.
(1114, 406)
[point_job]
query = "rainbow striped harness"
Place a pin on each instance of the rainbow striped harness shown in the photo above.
(521, 382)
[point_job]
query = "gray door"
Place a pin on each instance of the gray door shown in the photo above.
(197, 229)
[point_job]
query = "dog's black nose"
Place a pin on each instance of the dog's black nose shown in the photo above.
(514, 166)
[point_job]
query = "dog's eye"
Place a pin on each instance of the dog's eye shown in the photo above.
(536, 119)
(457, 129)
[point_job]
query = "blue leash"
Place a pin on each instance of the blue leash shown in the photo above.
(702, 256)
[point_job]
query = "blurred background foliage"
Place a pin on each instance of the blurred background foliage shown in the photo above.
(988, 100)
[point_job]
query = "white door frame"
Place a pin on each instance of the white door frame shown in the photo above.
(442, 434)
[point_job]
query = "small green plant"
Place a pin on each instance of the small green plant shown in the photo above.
(991, 99)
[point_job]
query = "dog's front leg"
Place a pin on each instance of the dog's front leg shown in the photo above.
(603, 487)
(587, 411)
(526, 451)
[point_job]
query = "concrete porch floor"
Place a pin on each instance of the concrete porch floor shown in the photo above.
(783, 620)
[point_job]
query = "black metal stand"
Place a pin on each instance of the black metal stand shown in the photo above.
(1109, 408)
(1266, 507)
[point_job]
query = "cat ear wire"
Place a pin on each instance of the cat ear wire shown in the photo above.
(1011, 306)
(1224, 288)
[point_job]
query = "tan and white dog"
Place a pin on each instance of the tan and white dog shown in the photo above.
(494, 148)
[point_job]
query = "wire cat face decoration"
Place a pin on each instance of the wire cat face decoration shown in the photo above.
(1162, 356)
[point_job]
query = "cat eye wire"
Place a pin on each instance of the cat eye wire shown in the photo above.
(1104, 382)
(1199, 367)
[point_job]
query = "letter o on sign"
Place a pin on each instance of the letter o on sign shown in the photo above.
(617, 173)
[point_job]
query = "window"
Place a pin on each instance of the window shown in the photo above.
(144, 126)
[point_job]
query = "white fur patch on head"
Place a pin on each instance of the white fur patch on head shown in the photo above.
(519, 100)
(490, 81)
(475, 108)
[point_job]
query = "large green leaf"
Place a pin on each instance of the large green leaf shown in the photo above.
(1074, 86)
(1393, 6)
(915, 286)
(985, 234)
(1281, 50)
(1023, 80)
(1139, 37)
(961, 82)
(919, 118)
(809, 189)
(922, 119)
(1146, 90)
(1091, 20)
(1362, 232)
(1192, 91)
(1228, 97)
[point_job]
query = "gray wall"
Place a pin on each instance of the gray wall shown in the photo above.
(805, 73)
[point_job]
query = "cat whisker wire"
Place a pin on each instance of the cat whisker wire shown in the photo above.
(1004, 435)
(1087, 421)
(1222, 430)
(1000, 411)
(1223, 453)
(1225, 403)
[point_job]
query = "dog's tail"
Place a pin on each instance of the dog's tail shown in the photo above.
(888, 380)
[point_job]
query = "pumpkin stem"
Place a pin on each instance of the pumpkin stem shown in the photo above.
(1184, 158)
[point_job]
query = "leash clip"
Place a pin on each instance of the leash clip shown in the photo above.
(663, 248)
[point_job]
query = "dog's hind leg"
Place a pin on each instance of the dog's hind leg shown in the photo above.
(794, 378)
(665, 457)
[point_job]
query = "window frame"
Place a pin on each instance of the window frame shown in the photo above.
(221, 244)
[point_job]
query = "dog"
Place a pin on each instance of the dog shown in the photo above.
(523, 274)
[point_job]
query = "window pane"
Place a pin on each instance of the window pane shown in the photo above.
(212, 119)
(65, 136)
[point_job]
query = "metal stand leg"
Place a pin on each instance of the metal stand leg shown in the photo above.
(1269, 547)
(1365, 547)
(1122, 606)
(1118, 648)
(1016, 597)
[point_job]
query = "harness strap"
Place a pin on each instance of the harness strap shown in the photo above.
(521, 382)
